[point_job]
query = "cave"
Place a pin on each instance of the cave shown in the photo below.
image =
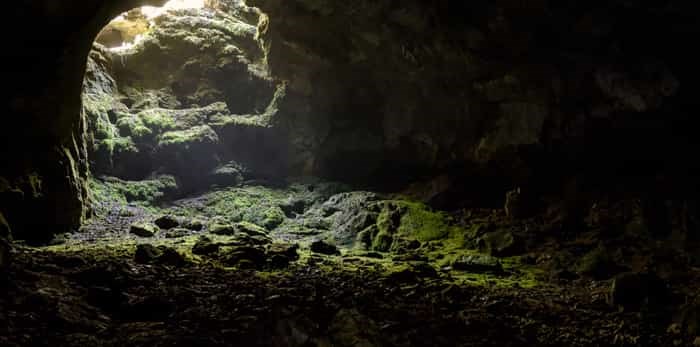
(358, 173)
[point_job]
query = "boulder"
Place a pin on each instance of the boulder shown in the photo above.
(323, 247)
(167, 222)
(143, 229)
(226, 176)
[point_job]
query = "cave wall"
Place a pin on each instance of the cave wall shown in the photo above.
(499, 93)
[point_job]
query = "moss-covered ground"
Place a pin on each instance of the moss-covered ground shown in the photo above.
(243, 267)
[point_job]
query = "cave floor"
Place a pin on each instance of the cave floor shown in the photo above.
(105, 286)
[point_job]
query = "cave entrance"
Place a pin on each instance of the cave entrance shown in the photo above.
(179, 106)
(179, 98)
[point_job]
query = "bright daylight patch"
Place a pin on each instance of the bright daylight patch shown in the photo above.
(132, 30)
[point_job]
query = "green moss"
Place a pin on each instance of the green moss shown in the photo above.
(157, 120)
(133, 127)
(109, 147)
(382, 242)
(148, 192)
(198, 134)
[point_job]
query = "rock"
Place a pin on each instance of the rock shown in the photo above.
(167, 222)
(294, 206)
(272, 218)
(250, 229)
(249, 255)
(204, 246)
(257, 240)
(478, 263)
(632, 290)
(281, 254)
(500, 243)
(222, 229)
(288, 250)
(143, 230)
(171, 257)
(177, 233)
(323, 247)
(194, 225)
(227, 175)
(146, 254)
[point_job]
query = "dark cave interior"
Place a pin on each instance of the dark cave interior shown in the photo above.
(350, 173)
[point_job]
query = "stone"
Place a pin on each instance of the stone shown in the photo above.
(222, 229)
(194, 225)
(323, 247)
(167, 222)
(204, 246)
(143, 229)
(146, 254)
(478, 263)
(171, 257)
(177, 233)
(501, 243)
(226, 176)
(235, 255)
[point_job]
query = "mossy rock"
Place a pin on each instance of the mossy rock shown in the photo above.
(383, 242)
(167, 222)
(222, 229)
(185, 138)
(250, 229)
(205, 246)
(235, 255)
(143, 229)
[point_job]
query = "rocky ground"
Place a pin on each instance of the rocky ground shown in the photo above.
(316, 264)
